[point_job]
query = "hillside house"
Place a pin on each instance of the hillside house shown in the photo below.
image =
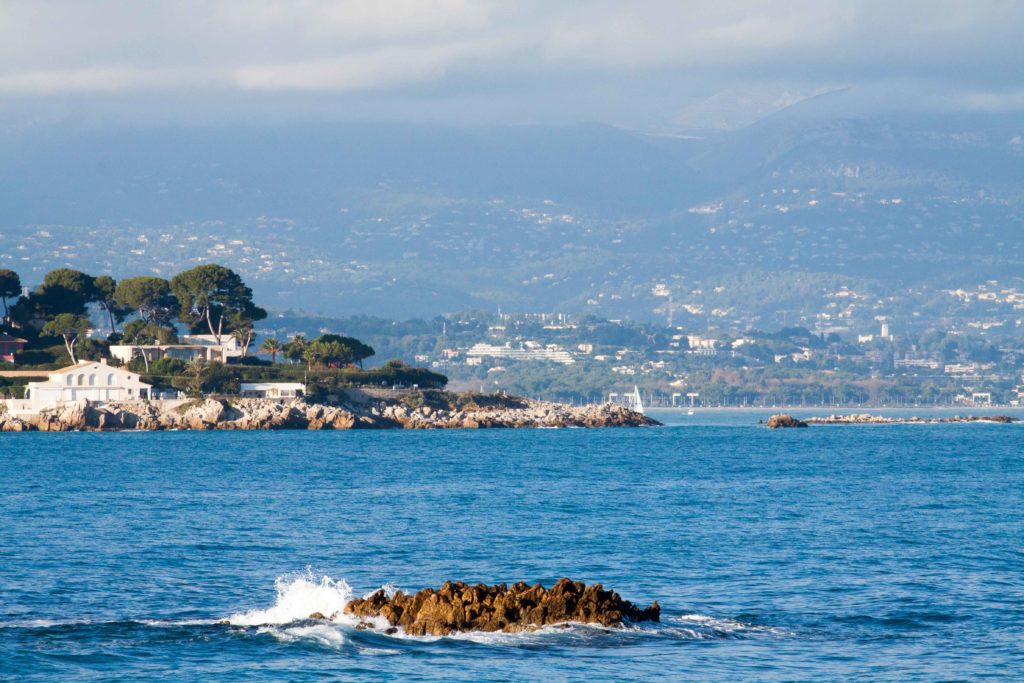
(9, 346)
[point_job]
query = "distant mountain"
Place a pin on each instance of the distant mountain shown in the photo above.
(407, 220)
(161, 176)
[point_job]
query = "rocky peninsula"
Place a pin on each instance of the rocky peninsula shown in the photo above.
(457, 607)
(784, 421)
(453, 412)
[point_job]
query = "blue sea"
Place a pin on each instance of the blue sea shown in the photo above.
(891, 552)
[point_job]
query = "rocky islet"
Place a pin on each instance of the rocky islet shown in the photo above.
(784, 421)
(460, 607)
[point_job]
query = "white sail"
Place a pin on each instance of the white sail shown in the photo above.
(634, 402)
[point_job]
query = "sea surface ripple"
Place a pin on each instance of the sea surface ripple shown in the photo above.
(890, 552)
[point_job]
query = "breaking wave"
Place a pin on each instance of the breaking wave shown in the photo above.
(298, 596)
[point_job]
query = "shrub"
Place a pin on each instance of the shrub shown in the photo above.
(167, 366)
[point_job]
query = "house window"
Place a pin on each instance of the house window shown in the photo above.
(110, 380)
(71, 380)
(81, 380)
(92, 380)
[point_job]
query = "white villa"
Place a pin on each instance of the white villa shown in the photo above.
(272, 389)
(184, 352)
(229, 346)
(89, 380)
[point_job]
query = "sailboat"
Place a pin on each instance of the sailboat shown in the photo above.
(634, 402)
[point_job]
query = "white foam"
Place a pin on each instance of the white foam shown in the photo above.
(160, 623)
(702, 626)
(298, 596)
(43, 623)
(321, 634)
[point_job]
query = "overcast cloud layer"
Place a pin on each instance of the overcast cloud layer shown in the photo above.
(648, 63)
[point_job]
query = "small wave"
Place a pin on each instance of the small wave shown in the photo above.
(56, 624)
(701, 626)
(164, 623)
(319, 634)
(44, 623)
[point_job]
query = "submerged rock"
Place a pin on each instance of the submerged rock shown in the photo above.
(460, 607)
(784, 421)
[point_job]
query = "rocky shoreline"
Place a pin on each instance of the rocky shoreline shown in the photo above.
(265, 414)
(459, 607)
(783, 421)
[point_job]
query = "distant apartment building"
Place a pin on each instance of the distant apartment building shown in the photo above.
(529, 351)
(698, 342)
(923, 363)
(960, 368)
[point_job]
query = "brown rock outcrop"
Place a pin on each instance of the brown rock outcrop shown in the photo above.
(460, 607)
(783, 421)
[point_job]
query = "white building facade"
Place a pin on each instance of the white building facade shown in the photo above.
(272, 389)
(89, 380)
(183, 352)
(228, 347)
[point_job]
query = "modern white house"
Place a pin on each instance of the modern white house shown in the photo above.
(126, 353)
(88, 380)
(229, 346)
(272, 389)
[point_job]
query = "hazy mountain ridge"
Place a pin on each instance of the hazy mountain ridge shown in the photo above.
(413, 220)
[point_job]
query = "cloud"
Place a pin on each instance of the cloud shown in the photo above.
(359, 71)
(99, 79)
(701, 50)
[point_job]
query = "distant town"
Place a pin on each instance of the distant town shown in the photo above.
(587, 359)
(201, 332)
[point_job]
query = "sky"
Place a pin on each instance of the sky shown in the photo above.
(648, 64)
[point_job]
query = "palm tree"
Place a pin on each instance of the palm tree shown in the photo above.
(311, 355)
(272, 346)
(197, 368)
(294, 349)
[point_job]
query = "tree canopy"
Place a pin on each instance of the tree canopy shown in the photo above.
(70, 327)
(150, 296)
(10, 287)
(65, 290)
(215, 299)
(338, 350)
(104, 291)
